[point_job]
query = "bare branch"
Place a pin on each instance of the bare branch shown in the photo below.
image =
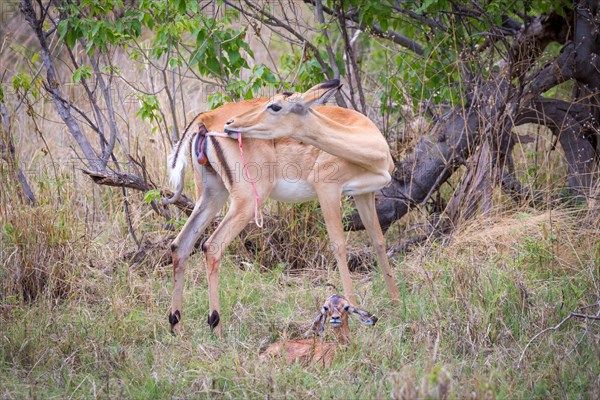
(330, 55)
(376, 30)
(274, 21)
(128, 217)
(586, 316)
(52, 86)
(557, 326)
(171, 95)
(127, 180)
(99, 127)
(566, 121)
(433, 24)
(8, 154)
(112, 121)
(353, 71)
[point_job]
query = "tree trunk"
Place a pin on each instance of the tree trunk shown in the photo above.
(497, 107)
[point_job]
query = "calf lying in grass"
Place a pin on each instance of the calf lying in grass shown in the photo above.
(335, 309)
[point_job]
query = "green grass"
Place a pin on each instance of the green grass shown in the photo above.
(458, 331)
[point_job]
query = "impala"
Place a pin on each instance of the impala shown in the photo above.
(336, 310)
(298, 150)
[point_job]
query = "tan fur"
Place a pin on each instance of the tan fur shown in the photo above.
(303, 351)
(297, 166)
(312, 351)
(339, 131)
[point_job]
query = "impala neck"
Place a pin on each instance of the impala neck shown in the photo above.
(362, 145)
(342, 333)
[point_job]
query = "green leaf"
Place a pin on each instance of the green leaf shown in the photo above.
(175, 62)
(215, 100)
(63, 27)
(384, 22)
(212, 63)
(83, 72)
(89, 48)
(181, 6)
(21, 81)
(425, 6)
(149, 109)
(152, 194)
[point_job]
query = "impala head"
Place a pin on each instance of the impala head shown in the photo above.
(282, 114)
(336, 309)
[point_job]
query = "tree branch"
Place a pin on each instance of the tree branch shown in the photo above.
(330, 55)
(130, 181)
(566, 120)
(52, 86)
(274, 21)
(376, 30)
(351, 62)
(557, 326)
(8, 154)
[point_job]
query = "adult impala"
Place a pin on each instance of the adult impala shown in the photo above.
(332, 152)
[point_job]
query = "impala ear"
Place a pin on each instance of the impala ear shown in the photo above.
(319, 94)
(318, 325)
(364, 316)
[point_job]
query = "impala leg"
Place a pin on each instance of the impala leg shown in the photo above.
(198, 183)
(240, 213)
(331, 208)
(210, 204)
(365, 203)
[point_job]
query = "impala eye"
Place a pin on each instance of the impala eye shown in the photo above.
(346, 308)
(274, 107)
(325, 308)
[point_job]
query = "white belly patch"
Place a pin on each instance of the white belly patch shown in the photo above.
(293, 191)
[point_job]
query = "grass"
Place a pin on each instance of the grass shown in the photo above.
(78, 321)
(467, 312)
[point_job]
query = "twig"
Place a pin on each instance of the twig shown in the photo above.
(128, 217)
(32, 114)
(325, 31)
(272, 20)
(557, 326)
(554, 328)
(376, 30)
(352, 68)
(587, 329)
(8, 153)
(330, 54)
(594, 317)
(99, 128)
(52, 86)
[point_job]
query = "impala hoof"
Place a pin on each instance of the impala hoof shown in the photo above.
(213, 319)
(174, 319)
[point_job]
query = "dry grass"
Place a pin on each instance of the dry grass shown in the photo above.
(77, 320)
(467, 311)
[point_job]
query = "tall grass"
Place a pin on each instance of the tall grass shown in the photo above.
(39, 250)
(467, 311)
(79, 319)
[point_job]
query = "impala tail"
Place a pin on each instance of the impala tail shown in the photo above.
(177, 160)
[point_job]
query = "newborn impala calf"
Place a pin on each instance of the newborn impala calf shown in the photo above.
(335, 309)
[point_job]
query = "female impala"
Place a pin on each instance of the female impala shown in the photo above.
(330, 151)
